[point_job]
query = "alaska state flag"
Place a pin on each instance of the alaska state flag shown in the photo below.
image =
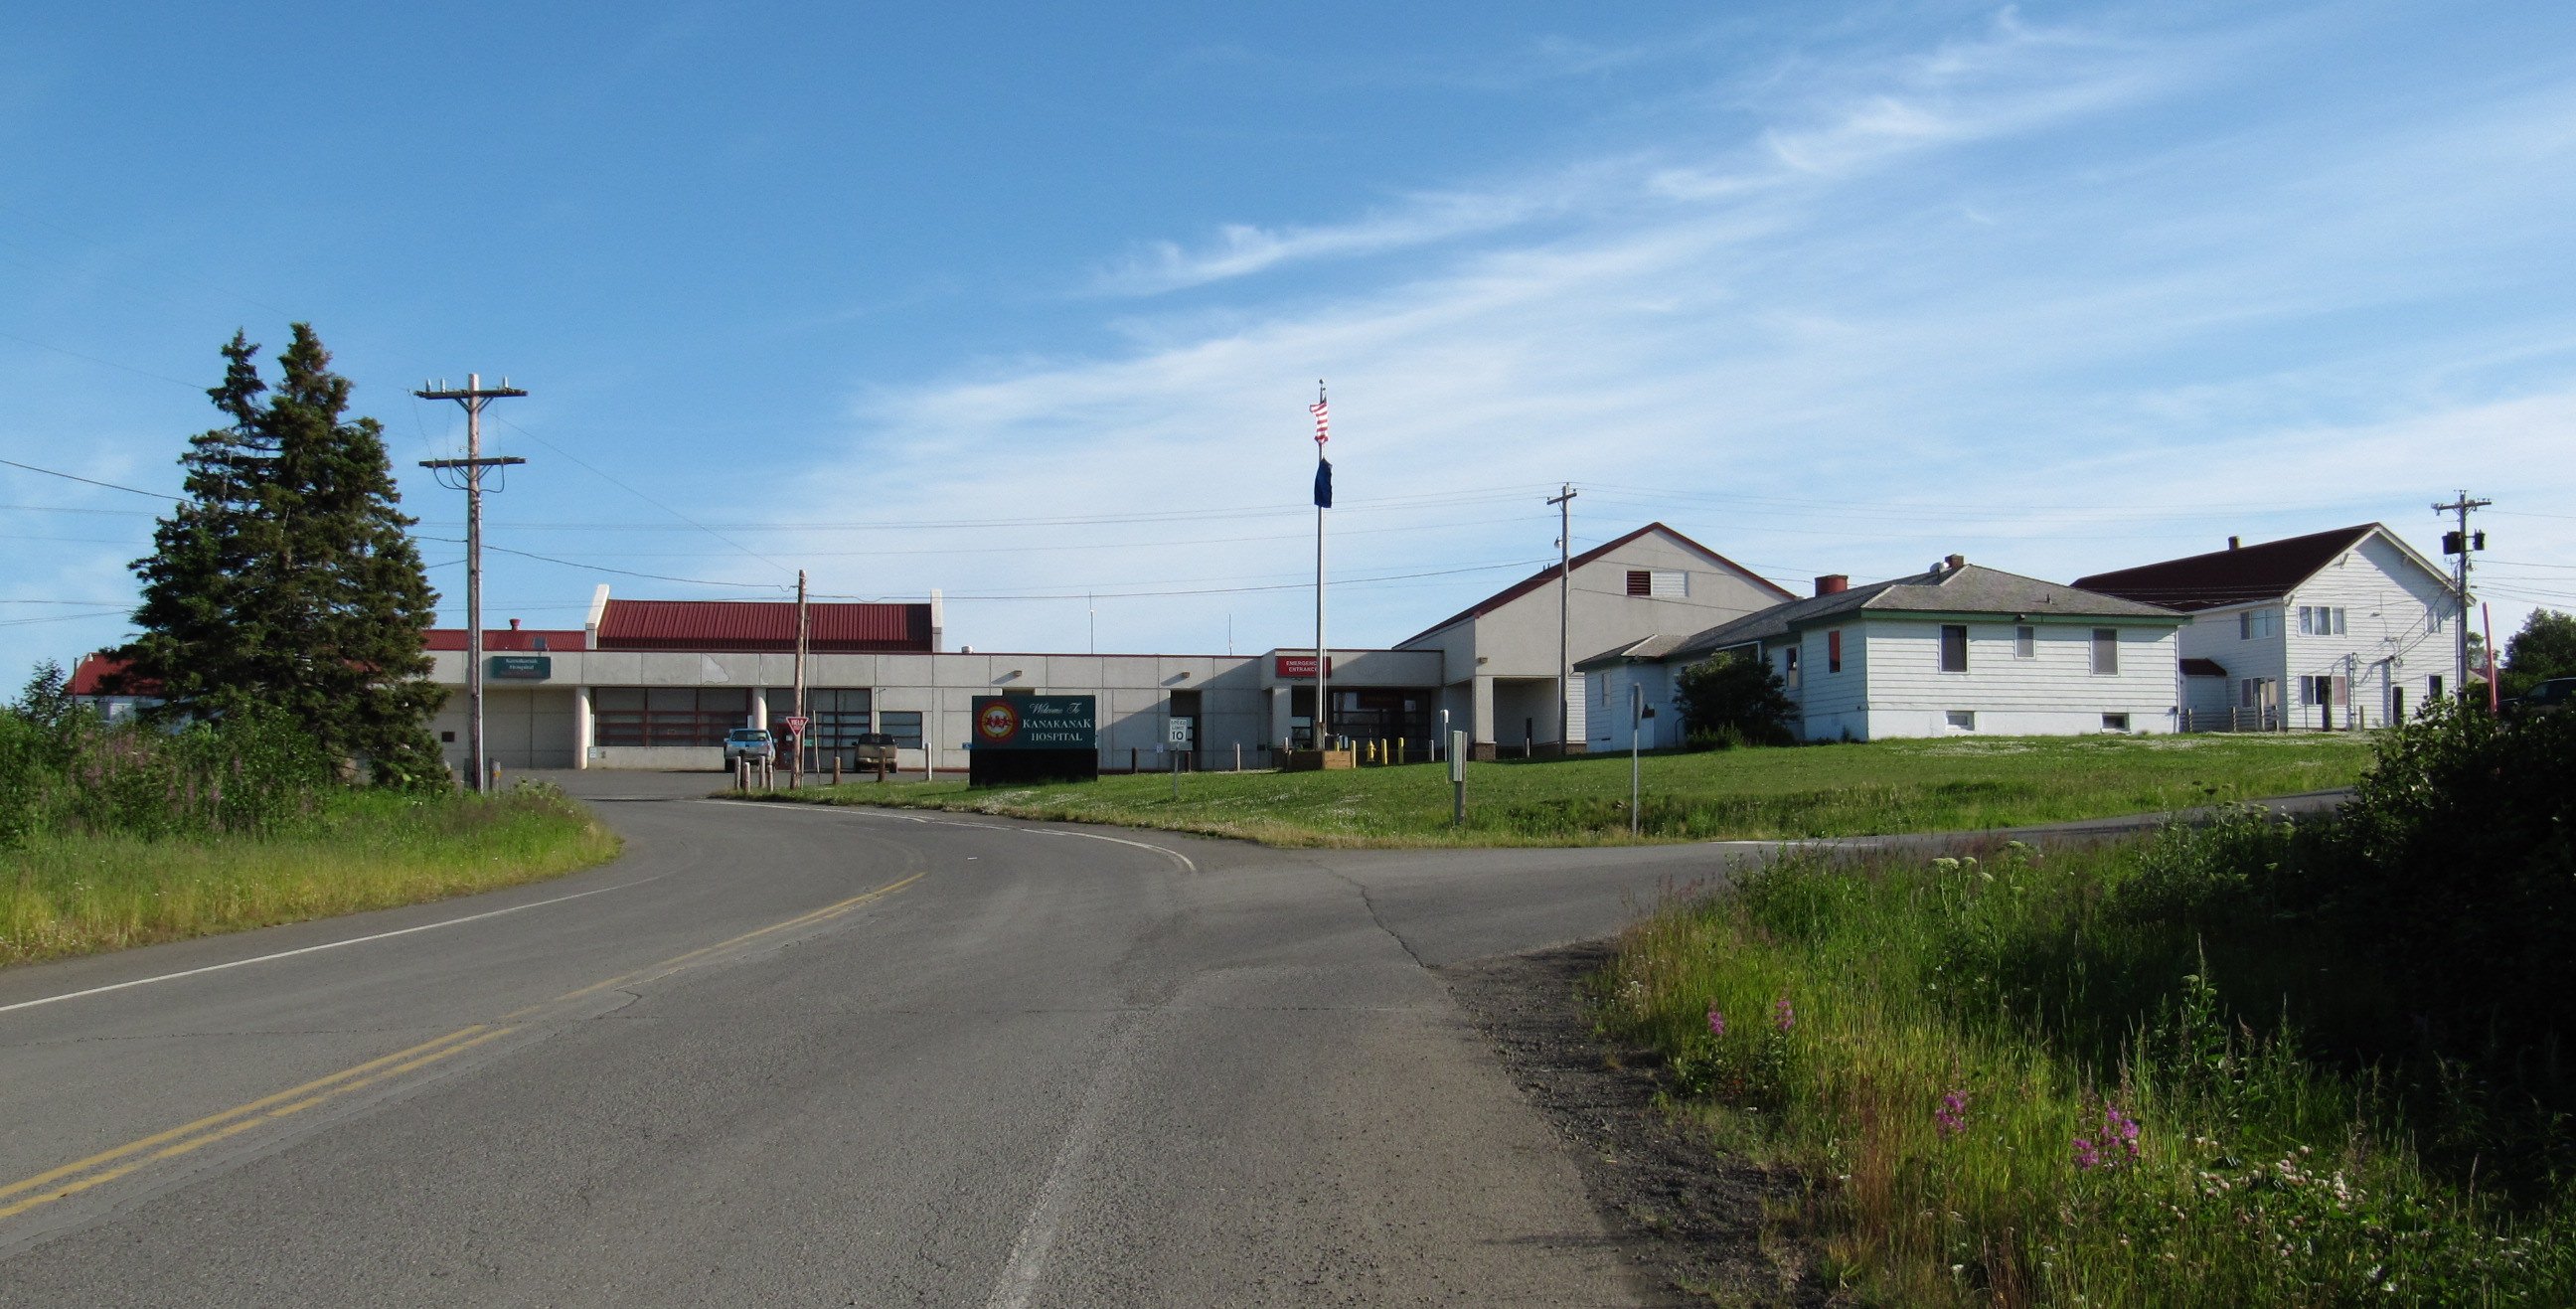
(1323, 483)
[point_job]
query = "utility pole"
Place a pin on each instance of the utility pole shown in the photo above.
(1564, 615)
(466, 474)
(796, 770)
(1323, 501)
(2460, 542)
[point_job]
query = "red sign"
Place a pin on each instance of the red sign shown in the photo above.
(1296, 665)
(793, 724)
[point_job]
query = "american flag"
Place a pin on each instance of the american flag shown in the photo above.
(1323, 420)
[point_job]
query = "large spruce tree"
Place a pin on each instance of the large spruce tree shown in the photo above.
(286, 581)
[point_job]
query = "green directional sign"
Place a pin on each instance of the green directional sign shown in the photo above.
(521, 668)
(1035, 722)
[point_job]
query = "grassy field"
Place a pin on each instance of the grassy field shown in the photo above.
(2014, 1082)
(66, 893)
(1805, 791)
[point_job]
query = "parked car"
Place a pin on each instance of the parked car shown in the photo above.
(872, 748)
(750, 743)
(2548, 697)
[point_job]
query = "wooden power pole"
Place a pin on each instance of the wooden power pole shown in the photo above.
(1564, 617)
(466, 475)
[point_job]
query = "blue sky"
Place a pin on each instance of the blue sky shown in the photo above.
(1027, 304)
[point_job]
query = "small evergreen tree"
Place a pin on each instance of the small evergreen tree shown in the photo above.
(287, 580)
(1734, 697)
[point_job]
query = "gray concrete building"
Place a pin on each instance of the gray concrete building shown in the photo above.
(655, 684)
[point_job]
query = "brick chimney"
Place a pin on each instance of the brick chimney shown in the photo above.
(1956, 562)
(1833, 584)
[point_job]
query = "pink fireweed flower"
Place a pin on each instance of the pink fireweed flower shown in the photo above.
(1782, 1016)
(1716, 1022)
(1952, 1117)
(2087, 1156)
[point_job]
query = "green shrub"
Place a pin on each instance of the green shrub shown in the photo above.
(1733, 699)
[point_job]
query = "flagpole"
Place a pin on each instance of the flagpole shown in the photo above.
(1323, 657)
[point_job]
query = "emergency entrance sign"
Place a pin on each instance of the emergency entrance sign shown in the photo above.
(1035, 722)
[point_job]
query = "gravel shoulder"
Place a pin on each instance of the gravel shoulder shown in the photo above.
(1691, 1219)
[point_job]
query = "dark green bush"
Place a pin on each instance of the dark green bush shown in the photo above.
(1735, 698)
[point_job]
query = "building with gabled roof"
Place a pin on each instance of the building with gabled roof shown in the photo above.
(2343, 628)
(1957, 649)
(1501, 662)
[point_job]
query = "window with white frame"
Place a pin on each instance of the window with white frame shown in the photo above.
(1962, 720)
(2254, 624)
(2106, 651)
(1954, 647)
(2321, 620)
(2435, 620)
(2025, 643)
(2115, 722)
(1789, 667)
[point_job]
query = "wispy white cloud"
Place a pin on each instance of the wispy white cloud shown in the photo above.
(1811, 360)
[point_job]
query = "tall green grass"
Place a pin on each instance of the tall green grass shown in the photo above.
(76, 892)
(2028, 1081)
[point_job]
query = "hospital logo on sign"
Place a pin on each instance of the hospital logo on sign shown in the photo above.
(997, 722)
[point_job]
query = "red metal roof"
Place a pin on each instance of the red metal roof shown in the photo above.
(105, 674)
(763, 625)
(505, 640)
(2266, 570)
(1548, 574)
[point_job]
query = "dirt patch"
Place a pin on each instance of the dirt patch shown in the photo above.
(1690, 1218)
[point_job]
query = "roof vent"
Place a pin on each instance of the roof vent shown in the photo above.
(1833, 584)
(2236, 543)
(514, 624)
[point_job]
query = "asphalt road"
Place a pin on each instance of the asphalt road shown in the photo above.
(784, 1055)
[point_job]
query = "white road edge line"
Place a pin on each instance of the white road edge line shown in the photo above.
(854, 811)
(328, 945)
(1019, 1282)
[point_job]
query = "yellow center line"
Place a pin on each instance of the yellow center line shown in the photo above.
(190, 1136)
(158, 1138)
(232, 1129)
(801, 920)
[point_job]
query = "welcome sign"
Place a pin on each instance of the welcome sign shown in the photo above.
(1035, 722)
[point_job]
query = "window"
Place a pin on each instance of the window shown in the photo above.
(1963, 720)
(667, 715)
(2306, 628)
(1834, 651)
(1659, 583)
(904, 725)
(2257, 623)
(2115, 722)
(1789, 667)
(2338, 621)
(2436, 688)
(2106, 650)
(2025, 643)
(1954, 647)
(2434, 620)
(2321, 620)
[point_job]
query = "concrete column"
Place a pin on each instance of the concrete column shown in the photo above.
(760, 707)
(1281, 698)
(1481, 711)
(584, 730)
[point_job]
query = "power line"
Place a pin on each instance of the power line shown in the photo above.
(92, 481)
